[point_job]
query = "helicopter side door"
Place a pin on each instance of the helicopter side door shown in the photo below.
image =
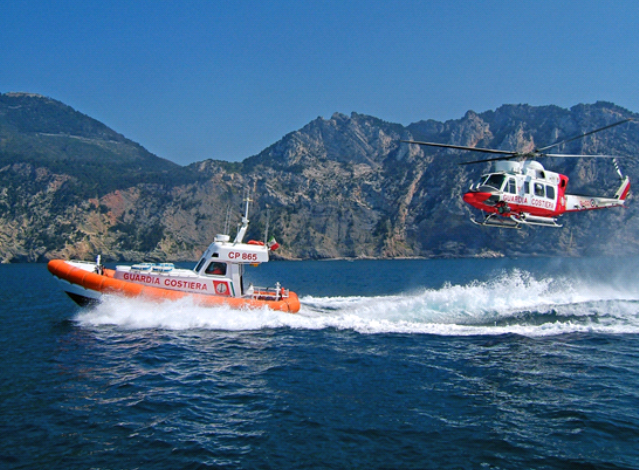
(544, 195)
(513, 191)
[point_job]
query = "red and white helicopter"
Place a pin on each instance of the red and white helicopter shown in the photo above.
(523, 192)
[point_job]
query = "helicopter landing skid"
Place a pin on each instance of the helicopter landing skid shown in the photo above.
(538, 221)
(516, 222)
(494, 220)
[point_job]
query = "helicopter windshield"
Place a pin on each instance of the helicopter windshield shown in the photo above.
(494, 181)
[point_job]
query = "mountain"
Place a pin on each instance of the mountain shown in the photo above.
(45, 133)
(338, 187)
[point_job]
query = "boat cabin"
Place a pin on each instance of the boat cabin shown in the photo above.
(220, 270)
(225, 259)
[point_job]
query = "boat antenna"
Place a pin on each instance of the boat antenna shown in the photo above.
(242, 231)
(268, 213)
(228, 216)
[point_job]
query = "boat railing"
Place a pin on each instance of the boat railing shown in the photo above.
(270, 293)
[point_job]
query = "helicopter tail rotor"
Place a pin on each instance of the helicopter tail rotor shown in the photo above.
(624, 189)
(616, 164)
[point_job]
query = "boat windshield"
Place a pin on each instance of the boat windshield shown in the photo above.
(494, 181)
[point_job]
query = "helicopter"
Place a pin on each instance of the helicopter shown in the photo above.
(521, 192)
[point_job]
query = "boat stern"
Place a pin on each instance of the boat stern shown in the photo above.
(292, 303)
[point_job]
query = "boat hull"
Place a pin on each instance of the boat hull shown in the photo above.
(85, 287)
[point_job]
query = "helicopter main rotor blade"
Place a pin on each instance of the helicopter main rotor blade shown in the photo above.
(459, 147)
(512, 156)
(537, 153)
(581, 136)
(559, 155)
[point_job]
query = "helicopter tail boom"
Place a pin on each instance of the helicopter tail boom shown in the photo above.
(576, 203)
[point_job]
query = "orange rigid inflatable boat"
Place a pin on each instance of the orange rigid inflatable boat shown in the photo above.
(216, 280)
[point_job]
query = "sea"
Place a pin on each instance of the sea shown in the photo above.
(527, 363)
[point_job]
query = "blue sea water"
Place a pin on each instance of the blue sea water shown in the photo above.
(403, 364)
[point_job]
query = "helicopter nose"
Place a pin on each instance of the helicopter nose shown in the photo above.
(478, 199)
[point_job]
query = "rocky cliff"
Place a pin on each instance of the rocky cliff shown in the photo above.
(339, 187)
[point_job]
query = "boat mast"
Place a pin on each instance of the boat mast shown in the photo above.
(242, 231)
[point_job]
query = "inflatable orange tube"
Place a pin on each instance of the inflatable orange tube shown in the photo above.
(107, 284)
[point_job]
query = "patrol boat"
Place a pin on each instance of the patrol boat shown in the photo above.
(217, 279)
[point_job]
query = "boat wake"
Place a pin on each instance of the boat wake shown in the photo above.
(514, 302)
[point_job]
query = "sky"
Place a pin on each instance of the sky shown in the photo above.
(193, 80)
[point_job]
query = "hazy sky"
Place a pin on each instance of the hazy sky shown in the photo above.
(191, 80)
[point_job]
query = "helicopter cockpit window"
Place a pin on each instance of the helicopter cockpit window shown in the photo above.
(494, 181)
(550, 192)
(512, 186)
(539, 190)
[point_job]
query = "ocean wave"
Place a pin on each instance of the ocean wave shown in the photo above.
(513, 302)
